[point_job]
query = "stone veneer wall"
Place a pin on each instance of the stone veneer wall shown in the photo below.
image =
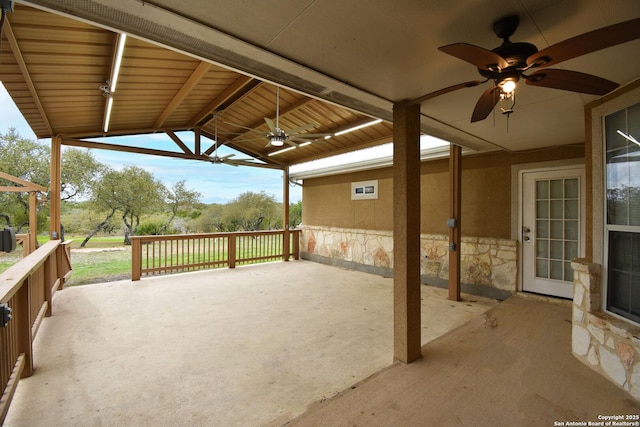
(484, 261)
(607, 344)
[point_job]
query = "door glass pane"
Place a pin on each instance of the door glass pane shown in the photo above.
(542, 209)
(557, 188)
(557, 227)
(557, 251)
(542, 189)
(542, 248)
(557, 270)
(571, 230)
(568, 272)
(557, 209)
(542, 267)
(571, 209)
(570, 250)
(571, 188)
(542, 228)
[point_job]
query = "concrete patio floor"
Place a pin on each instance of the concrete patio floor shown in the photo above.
(511, 366)
(256, 345)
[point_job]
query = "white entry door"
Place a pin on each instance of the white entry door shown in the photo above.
(552, 233)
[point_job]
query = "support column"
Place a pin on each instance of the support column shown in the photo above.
(286, 247)
(455, 213)
(54, 191)
(406, 232)
(33, 221)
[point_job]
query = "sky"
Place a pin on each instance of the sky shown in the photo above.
(217, 183)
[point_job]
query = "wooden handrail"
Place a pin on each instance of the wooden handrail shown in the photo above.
(174, 253)
(27, 289)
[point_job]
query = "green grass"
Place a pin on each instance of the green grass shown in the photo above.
(97, 267)
(106, 258)
(113, 263)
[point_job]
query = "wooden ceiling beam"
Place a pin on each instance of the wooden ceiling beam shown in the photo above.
(243, 150)
(195, 77)
(149, 151)
(205, 115)
(17, 53)
(179, 142)
(126, 132)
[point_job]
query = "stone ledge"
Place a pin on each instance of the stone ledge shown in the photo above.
(605, 343)
(585, 266)
(488, 262)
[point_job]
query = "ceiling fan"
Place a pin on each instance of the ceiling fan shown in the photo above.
(227, 159)
(277, 136)
(506, 64)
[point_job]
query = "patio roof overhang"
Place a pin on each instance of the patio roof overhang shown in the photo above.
(58, 72)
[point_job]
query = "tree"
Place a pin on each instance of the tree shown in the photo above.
(30, 160)
(210, 221)
(179, 197)
(295, 214)
(133, 192)
(27, 160)
(252, 211)
(79, 171)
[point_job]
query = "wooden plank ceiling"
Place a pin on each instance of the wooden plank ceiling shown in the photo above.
(53, 67)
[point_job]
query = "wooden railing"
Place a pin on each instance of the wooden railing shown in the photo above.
(27, 288)
(178, 253)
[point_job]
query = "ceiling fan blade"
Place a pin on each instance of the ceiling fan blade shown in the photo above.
(241, 127)
(269, 122)
(586, 43)
(301, 128)
(485, 104)
(572, 81)
(310, 135)
(430, 95)
(478, 56)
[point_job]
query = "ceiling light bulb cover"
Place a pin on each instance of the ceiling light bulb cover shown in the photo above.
(508, 85)
(277, 140)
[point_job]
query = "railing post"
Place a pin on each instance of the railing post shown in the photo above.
(49, 280)
(22, 317)
(296, 244)
(231, 251)
(136, 259)
(286, 247)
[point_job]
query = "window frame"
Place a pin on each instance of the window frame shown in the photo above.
(600, 227)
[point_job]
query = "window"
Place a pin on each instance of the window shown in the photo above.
(622, 230)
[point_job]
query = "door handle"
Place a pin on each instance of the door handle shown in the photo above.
(525, 236)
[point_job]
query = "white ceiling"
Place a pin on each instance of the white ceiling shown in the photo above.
(366, 55)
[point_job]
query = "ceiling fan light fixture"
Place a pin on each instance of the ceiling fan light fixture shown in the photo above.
(508, 85)
(277, 140)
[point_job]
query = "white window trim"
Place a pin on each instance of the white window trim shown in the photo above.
(599, 235)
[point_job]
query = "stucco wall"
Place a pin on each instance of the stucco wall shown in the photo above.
(486, 195)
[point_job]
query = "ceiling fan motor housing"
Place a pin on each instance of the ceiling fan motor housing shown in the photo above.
(515, 54)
